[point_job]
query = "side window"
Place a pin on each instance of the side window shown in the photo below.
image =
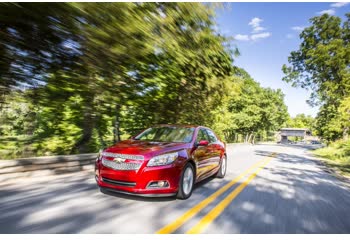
(202, 135)
(212, 137)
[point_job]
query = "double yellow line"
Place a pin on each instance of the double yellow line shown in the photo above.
(218, 209)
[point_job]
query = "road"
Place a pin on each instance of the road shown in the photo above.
(289, 192)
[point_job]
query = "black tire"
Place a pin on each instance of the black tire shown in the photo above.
(223, 164)
(182, 194)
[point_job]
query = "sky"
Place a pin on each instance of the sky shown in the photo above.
(265, 34)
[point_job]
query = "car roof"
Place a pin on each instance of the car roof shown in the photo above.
(183, 125)
(176, 125)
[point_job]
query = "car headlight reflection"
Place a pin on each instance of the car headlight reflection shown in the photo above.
(164, 159)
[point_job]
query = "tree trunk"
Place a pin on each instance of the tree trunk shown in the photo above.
(249, 138)
(88, 125)
(246, 138)
(100, 133)
(116, 127)
(226, 136)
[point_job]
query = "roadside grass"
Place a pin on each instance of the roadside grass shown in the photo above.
(336, 156)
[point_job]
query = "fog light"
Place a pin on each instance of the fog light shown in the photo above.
(158, 184)
(161, 184)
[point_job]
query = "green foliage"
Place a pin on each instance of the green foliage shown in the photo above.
(337, 155)
(302, 121)
(251, 111)
(78, 76)
(322, 65)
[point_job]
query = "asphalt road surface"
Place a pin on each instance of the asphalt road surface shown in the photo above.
(283, 191)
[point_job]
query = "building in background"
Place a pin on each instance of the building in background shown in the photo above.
(303, 134)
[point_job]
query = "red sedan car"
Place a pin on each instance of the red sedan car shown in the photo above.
(164, 160)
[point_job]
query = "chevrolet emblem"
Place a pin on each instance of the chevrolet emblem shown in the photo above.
(118, 160)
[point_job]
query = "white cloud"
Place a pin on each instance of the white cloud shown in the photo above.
(298, 28)
(339, 4)
(260, 35)
(253, 37)
(328, 11)
(256, 32)
(255, 22)
(258, 29)
(331, 11)
(241, 37)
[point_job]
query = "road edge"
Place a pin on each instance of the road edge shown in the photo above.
(322, 162)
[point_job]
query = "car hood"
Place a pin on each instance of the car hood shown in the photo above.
(145, 148)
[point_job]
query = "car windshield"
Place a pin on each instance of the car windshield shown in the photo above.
(167, 134)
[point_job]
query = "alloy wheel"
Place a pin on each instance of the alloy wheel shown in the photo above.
(187, 182)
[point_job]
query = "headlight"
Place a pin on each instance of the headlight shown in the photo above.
(163, 159)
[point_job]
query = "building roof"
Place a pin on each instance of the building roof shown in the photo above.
(294, 129)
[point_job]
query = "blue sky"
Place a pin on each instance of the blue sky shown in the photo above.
(265, 34)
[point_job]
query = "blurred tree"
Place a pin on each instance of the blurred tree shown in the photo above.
(35, 39)
(115, 37)
(189, 71)
(77, 76)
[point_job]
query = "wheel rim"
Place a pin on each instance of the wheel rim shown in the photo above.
(187, 181)
(223, 166)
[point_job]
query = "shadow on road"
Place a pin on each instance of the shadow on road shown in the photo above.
(199, 185)
(75, 205)
(137, 198)
(291, 195)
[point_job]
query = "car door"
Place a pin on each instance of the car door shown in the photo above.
(201, 154)
(214, 149)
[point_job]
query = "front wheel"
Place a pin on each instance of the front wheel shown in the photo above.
(222, 170)
(186, 182)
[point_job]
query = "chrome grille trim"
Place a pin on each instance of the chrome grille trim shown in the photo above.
(121, 166)
(124, 156)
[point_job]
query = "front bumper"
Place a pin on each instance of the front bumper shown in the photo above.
(137, 182)
(139, 194)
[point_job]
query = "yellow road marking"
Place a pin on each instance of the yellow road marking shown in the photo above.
(215, 212)
(196, 209)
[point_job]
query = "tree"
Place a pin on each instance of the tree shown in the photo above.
(322, 65)
(80, 76)
(34, 40)
(188, 73)
(253, 110)
(302, 121)
(126, 64)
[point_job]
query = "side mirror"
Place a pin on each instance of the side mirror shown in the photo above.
(203, 143)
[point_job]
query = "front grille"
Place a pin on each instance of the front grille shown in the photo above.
(122, 165)
(119, 183)
(124, 156)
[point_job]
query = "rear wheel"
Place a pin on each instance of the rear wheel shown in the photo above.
(222, 170)
(186, 182)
